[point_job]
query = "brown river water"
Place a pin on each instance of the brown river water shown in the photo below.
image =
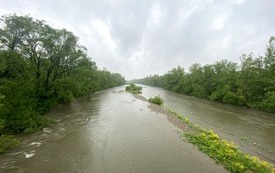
(253, 131)
(112, 131)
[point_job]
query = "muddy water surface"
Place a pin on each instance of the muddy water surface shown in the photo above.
(253, 131)
(109, 131)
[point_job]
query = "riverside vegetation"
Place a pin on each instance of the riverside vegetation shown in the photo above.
(156, 100)
(40, 67)
(132, 88)
(249, 84)
(220, 150)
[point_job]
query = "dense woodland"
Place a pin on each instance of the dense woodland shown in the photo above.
(39, 67)
(249, 84)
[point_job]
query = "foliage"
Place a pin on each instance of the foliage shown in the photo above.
(249, 84)
(7, 142)
(132, 88)
(227, 153)
(223, 151)
(180, 117)
(40, 67)
(268, 102)
(156, 100)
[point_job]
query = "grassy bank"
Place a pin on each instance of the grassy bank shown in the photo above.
(222, 151)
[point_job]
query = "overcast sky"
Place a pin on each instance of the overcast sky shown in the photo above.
(141, 37)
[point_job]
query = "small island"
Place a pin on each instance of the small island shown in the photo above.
(133, 89)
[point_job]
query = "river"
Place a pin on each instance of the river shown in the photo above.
(253, 131)
(112, 131)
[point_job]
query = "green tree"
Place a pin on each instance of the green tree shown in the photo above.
(250, 84)
(44, 66)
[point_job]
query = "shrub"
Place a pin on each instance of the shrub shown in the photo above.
(269, 102)
(230, 98)
(156, 100)
(7, 142)
(132, 88)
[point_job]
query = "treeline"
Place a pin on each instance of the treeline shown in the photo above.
(39, 67)
(250, 84)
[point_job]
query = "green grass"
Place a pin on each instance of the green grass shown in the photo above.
(156, 100)
(222, 151)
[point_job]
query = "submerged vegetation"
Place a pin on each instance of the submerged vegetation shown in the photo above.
(249, 84)
(132, 88)
(222, 151)
(156, 100)
(40, 67)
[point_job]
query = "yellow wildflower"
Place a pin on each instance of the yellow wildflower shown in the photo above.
(266, 164)
(239, 166)
(214, 136)
(255, 159)
(210, 132)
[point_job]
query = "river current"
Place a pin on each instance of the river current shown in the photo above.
(113, 131)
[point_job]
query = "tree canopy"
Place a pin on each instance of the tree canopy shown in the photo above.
(249, 84)
(39, 67)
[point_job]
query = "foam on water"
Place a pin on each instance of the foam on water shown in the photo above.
(29, 155)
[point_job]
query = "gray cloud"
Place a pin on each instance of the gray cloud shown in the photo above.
(138, 38)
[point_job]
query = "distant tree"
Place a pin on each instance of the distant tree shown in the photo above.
(270, 56)
(250, 84)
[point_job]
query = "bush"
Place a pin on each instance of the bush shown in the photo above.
(156, 100)
(132, 88)
(269, 102)
(38, 123)
(230, 98)
(25, 121)
(7, 142)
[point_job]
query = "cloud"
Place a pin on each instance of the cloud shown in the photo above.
(219, 22)
(104, 32)
(138, 38)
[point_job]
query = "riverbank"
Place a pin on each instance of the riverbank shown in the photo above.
(208, 142)
(30, 86)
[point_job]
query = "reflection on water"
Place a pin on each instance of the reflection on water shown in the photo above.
(107, 132)
(231, 122)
